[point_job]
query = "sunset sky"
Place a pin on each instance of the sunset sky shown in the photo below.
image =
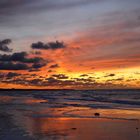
(78, 44)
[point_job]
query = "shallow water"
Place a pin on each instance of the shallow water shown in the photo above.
(63, 114)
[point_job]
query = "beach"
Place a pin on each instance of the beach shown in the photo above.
(69, 115)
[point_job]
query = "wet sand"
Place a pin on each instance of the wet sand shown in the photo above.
(83, 129)
(42, 128)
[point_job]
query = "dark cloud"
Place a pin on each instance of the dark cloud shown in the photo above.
(12, 74)
(21, 61)
(84, 75)
(20, 57)
(87, 80)
(118, 79)
(52, 80)
(50, 71)
(36, 82)
(38, 65)
(48, 46)
(4, 45)
(13, 66)
(55, 80)
(1, 76)
(63, 80)
(110, 75)
(60, 76)
(54, 66)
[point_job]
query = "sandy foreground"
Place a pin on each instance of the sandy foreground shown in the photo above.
(32, 119)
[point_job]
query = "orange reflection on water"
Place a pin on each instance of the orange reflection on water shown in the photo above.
(32, 101)
(6, 99)
(20, 100)
(41, 127)
(82, 129)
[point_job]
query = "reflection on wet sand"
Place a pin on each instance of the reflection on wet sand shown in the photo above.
(65, 128)
(81, 129)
